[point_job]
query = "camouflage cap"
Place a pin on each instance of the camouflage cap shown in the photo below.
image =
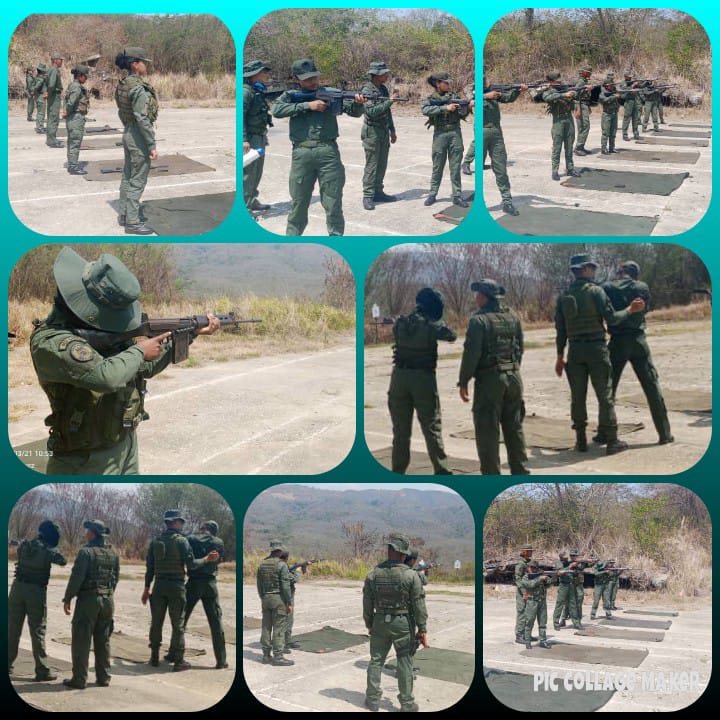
(172, 515)
(580, 261)
(563, 554)
(574, 553)
(525, 548)
(253, 67)
(42, 67)
(81, 70)
(97, 526)
(304, 69)
(439, 76)
(488, 287)
(627, 73)
(430, 302)
(56, 56)
(601, 565)
(212, 527)
(552, 76)
(586, 68)
(631, 268)
(136, 53)
(378, 68)
(103, 293)
(276, 545)
(399, 542)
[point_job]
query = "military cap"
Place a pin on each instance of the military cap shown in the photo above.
(171, 515)
(276, 545)
(627, 73)
(42, 67)
(49, 532)
(488, 287)
(136, 53)
(526, 547)
(601, 566)
(56, 56)
(97, 526)
(435, 77)
(254, 67)
(81, 70)
(631, 268)
(103, 293)
(304, 69)
(29, 67)
(553, 76)
(574, 553)
(212, 526)
(430, 302)
(580, 261)
(563, 554)
(586, 68)
(378, 68)
(400, 542)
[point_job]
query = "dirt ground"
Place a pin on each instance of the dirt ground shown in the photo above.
(335, 682)
(285, 414)
(49, 201)
(135, 687)
(686, 647)
(528, 144)
(682, 354)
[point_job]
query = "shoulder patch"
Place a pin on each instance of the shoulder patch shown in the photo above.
(79, 350)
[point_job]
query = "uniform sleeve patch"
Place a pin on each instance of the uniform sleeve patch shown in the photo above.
(81, 351)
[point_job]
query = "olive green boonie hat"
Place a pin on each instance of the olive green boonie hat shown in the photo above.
(378, 68)
(489, 288)
(137, 53)
(552, 76)
(103, 293)
(580, 261)
(55, 56)
(42, 67)
(586, 68)
(399, 542)
(97, 526)
(82, 70)
(304, 69)
(254, 67)
(276, 545)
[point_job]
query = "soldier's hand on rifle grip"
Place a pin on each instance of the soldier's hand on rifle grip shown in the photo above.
(423, 638)
(361, 99)
(559, 367)
(317, 106)
(452, 107)
(153, 347)
(211, 327)
(145, 596)
(494, 95)
(636, 306)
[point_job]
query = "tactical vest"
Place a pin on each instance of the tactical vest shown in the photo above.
(169, 554)
(124, 103)
(33, 563)
(415, 343)
(583, 96)
(566, 579)
(501, 351)
(381, 120)
(582, 319)
(269, 576)
(83, 104)
(100, 577)
(443, 120)
(201, 545)
(536, 593)
(258, 117)
(389, 593)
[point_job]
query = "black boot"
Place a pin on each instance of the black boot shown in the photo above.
(281, 661)
(615, 446)
(555, 175)
(510, 209)
(573, 173)
(138, 229)
(581, 440)
(466, 169)
(368, 204)
(600, 439)
(544, 644)
(181, 665)
(458, 200)
(382, 196)
(267, 657)
(520, 639)
(430, 199)
(155, 656)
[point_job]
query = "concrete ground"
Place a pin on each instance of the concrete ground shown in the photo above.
(49, 201)
(336, 681)
(408, 177)
(549, 397)
(687, 646)
(528, 144)
(285, 414)
(135, 687)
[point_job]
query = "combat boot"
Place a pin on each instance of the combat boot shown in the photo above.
(466, 169)
(294, 644)
(615, 446)
(267, 657)
(580, 151)
(510, 209)
(257, 205)
(221, 665)
(600, 439)
(573, 173)
(281, 661)
(581, 441)
(68, 683)
(612, 148)
(592, 616)
(458, 200)
(181, 665)
(528, 645)
(555, 175)
(368, 204)
(45, 677)
(382, 196)
(430, 200)
(663, 441)
(562, 623)
(604, 151)
(371, 706)
(608, 616)
(544, 644)
(520, 639)
(138, 229)
(56, 144)
(414, 707)
(155, 656)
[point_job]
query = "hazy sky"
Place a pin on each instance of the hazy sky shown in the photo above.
(377, 486)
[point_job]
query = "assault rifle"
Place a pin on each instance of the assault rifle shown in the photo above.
(500, 87)
(553, 573)
(616, 569)
(664, 87)
(304, 565)
(334, 99)
(464, 105)
(182, 329)
(426, 566)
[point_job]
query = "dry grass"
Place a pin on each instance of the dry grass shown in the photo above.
(17, 411)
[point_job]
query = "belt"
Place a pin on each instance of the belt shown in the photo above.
(587, 340)
(392, 612)
(402, 366)
(313, 143)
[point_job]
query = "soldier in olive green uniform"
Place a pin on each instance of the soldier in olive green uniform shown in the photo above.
(315, 156)
(447, 144)
(256, 120)
(378, 133)
(610, 101)
(535, 591)
(566, 602)
(410, 561)
(28, 596)
(579, 316)
(97, 399)
(30, 90)
(169, 557)
(602, 590)
(492, 354)
(560, 102)
(578, 581)
(520, 570)
(469, 159)
(202, 585)
(614, 582)
(653, 98)
(395, 615)
(629, 344)
(290, 644)
(273, 586)
(632, 105)
(53, 94)
(583, 110)
(94, 577)
(77, 103)
(413, 385)
(41, 98)
(494, 142)
(138, 110)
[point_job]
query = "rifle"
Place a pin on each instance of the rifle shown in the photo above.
(500, 87)
(426, 566)
(106, 171)
(335, 99)
(664, 87)
(617, 570)
(463, 111)
(182, 329)
(304, 565)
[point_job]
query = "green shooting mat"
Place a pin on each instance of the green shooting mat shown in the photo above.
(188, 215)
(625, 181)
(329, 639)
(24, 665)
(100, 143)
(589, 654)
(132, 649)
(112, 170)
(420, 463)
(229, 630)
(657, 140)
(251, 623)
(102, 130)
(633, 623)
(659, 156)
(689, 401)
(550, 433)
(33, 454)
(516, 691)
(552, 221)
(656, 613)
(684, 133)
(621, 634)
(441, 664)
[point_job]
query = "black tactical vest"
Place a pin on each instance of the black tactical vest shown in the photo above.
(169, 554)
(101, 573)
(33, 563)
(389, 593)
(582, 319)
(269, 576)
(415, 343)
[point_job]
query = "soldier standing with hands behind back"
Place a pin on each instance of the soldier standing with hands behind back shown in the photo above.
(256, 120)
(30, 90)
(77, 104)
(53, 93)
(41, 98)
